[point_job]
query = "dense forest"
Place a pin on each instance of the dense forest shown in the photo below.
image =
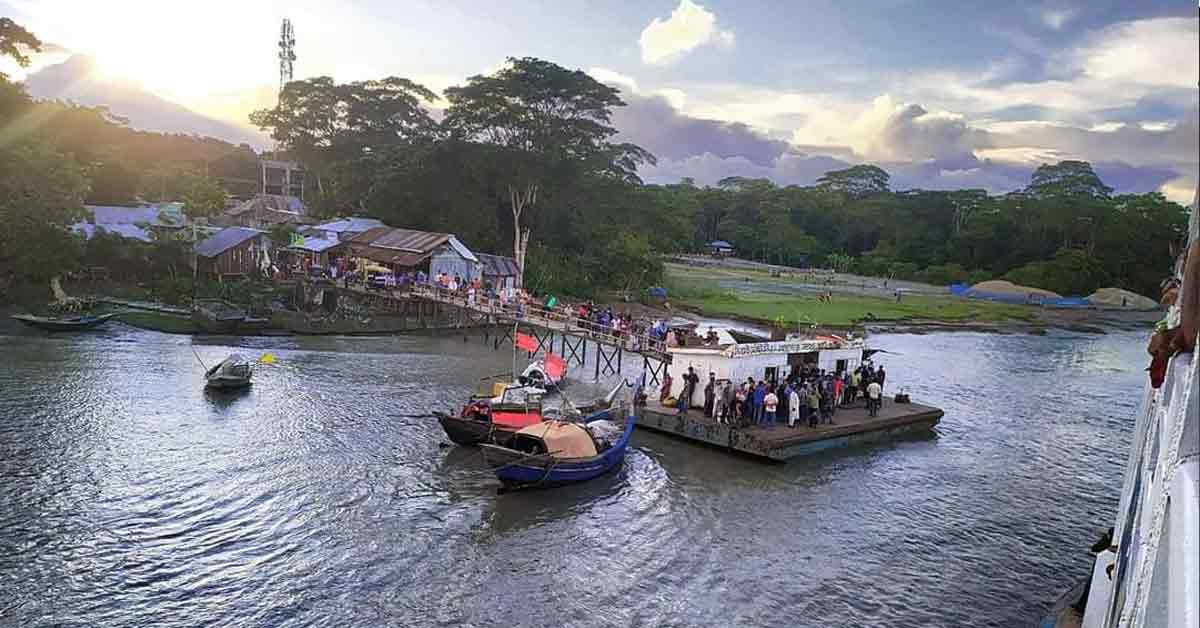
(523, 162)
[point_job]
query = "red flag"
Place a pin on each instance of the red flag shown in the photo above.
(555, 367)
(526, 342)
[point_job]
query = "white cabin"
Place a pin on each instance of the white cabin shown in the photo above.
(772, 360)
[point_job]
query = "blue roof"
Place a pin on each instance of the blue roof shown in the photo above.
(721, 244)
(356, 225)
(224, 240)
(316, 245)
(165, 215)
(130, 231)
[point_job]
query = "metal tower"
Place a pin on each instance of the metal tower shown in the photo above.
(287, 53)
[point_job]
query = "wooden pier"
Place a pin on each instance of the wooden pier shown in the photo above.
(564, 333)
(852, 426)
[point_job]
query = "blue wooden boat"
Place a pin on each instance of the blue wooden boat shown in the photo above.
(553, 453)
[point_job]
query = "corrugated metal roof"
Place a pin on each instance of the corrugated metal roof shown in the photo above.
(224, 240)
(166, 215)
(351, 225)
(130, 231)
(498, 265)
(462, 249)
(410, 241)
(369, 235)
(316, 245)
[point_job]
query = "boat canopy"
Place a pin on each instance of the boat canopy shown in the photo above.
(562, 440)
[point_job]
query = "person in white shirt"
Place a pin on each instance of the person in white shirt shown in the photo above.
(874, 394)
(770, 402)
(793, 407)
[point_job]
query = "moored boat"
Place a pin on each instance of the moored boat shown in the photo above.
(231, 373)
(553, 453)
(217, 317)
(64, 323)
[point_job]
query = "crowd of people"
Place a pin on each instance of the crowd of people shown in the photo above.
(810, 396)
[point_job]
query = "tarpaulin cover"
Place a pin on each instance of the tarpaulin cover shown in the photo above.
(516, 419)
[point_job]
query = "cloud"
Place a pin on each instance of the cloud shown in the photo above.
(1056, 19)
(690, 26)
(1157, 52)
(654, 124)
(902, 131)
(613, 78)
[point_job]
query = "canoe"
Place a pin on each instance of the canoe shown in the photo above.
(64, 323)
(232, 373)
(548, 454)
(473, 430)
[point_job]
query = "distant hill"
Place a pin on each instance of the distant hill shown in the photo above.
(76, 80)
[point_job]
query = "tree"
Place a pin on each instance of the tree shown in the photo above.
(15, 42)
(41, 196)
(323, 124)
(857, 181)
(539, 119)
(1067, 178)
(203, 198)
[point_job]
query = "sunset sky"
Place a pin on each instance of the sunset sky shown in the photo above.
(942, 94)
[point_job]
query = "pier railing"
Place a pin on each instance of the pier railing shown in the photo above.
(534, 314)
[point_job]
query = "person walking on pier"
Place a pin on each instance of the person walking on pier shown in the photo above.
(710, 395)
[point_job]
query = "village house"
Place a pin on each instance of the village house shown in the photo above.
(233, 251)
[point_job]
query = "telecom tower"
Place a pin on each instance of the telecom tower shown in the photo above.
(287, 53)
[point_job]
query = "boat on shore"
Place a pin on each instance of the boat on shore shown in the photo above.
(217, 317)
(64, 323)
(232, 373)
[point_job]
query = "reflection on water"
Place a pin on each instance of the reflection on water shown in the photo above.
(321, 496)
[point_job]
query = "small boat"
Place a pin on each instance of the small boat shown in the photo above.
(217, 317)
(496, 419)
(553, 453)
(231, 373)
(64, 323)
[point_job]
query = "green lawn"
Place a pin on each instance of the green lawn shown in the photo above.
(693, 289)
(847, 310)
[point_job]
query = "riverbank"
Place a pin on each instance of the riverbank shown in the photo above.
(844, 303)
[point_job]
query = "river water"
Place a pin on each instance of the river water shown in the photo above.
(130, 497)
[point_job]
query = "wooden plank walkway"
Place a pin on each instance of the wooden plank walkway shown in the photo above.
(493, 311)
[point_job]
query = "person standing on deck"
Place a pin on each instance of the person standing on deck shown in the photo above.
(837, 390)
(814, 405)
(665, 392)
(793, 406)
(760, 393)
(740, 409)
(710, 395)
(690, 382)
(874, 394)
(785, 399)
(855, 384)
(728, 399)
(770, 404)
(880, 375)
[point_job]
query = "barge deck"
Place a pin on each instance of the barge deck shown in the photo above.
(852, 426)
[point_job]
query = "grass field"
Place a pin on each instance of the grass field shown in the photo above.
(691, 288)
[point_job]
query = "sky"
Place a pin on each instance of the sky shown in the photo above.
(942, 94)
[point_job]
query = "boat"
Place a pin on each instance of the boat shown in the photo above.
(495, 419)
(64, 323)
(555, 453)
(217, 317)
(231, 373)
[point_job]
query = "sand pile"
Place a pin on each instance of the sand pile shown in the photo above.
(999, 286)
(1116, 297)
